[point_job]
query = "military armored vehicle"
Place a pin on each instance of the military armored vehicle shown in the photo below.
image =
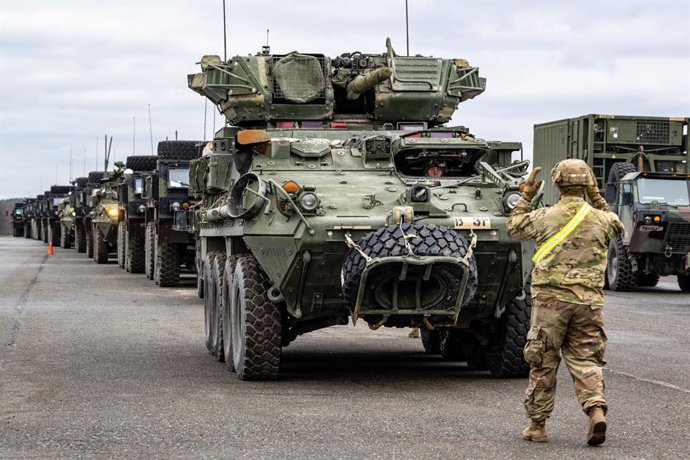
(132, 216)
(36, 222)
(642, 164)
(104, 215)
(18, 219)
(71, 216)
(90, 198)
(168, 245)
(337, 193)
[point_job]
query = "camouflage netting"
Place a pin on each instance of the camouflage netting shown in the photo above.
(298, 78)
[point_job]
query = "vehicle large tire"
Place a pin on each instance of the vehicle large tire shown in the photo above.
(430, 340)
(121, 230)
(431, 240)
(88, 233)
(620, 169)
(60, 189)
(167, 265)
(255, 323)
(95, 177)
(647, 279)
(210, 307)
(45, 230)
(618, 270)
(100, 247)
(134, 251)
(180, 150)
(226, 328)
(81, 182)
(504, 356)
(65, 242)
(684, 282)
(141, 163)
(79, 237)
(199, 272)
(17, 232)
(450, 345)
(54, 234)
(149, 250)
(27, 230)
(217, 271)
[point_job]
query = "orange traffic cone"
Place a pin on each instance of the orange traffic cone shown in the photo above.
(50, 249)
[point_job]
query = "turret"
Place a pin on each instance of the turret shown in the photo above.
(353, 90)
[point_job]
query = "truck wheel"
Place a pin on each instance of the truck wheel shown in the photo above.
(180, 150)
(450, 345)
(618, 269)
(141, 163)
(89, 241)
(100, 247)
(64, 238)
(134, 251)
(217, 271)
(167, 266)
(27, 231)
(647, 279)
(79, 237)
(504, 356)
(430, 340)
(684, 282)
(228, 275)
(121, 228)
(255, 323)
(210, 310)
(149, 250)
(619, 170)
(54, 234)
(44, 231)
(199, 272)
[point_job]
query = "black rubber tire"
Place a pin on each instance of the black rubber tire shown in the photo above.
(226, 328)
(647, 279)
(180, 150)
(88, 232)
(95, 177)
(141, 163)
(167, 266)
(255, 323)
(27, 230)
(134, 251)
(504, 356)
(149, 250)
(210, 307)
(54, 234)
(100, 246)
(684, 282)
(79, 237)
(450, 345)
(45, 232)
(620, 169)
(61, 189)
(81, 182)
(618, 270)
(430, 340)
(217, 271)
(387, 241)
(121, 230)
(17, 232)
(65, 242)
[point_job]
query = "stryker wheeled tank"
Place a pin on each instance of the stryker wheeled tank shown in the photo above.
(336, 193)
(71, 213)
(104, 215)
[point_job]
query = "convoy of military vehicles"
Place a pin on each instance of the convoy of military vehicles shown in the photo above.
(336, 193)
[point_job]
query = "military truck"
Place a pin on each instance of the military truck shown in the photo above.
(29, 204)
(642, 164)
(90, 199)
(168, 245)
(337, 193)
(132, 215)
(18, 219)
(50, 213)
(36, 222)
(105, 212)
(71, 215)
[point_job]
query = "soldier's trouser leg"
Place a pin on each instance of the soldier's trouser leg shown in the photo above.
(583, 352)
(549, 323)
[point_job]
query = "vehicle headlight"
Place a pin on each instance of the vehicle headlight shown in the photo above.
(112, 212)
(511, 200)
(308, 201)
(175, 206)
(142, 208)
(73, 213)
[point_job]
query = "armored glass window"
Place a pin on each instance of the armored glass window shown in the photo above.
(672, 192)
(178, 177)
(138, 186)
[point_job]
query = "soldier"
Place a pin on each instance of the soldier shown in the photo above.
(567, 291)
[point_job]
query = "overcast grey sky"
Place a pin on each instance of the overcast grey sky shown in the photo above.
(72, 71)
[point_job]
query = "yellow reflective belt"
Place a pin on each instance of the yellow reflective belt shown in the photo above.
(562, 234)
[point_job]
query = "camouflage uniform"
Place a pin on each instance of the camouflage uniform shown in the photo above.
(567, 290)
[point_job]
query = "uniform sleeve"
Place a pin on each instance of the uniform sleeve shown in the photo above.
(521, 221)
(601, 204)
(616, 226)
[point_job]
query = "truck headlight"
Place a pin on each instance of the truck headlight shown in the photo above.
(175, 206)
(112, 212)
(308, 201)
(142, 208)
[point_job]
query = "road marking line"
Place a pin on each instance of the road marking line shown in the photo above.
(655, 382)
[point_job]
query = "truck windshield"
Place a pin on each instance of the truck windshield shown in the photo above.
(179, 177)
(673, 192)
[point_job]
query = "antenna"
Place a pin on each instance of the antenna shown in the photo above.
(225, 37)
(70, 162)
(107, 151)
(150, 129)
(96, 152)
(134, 135)
(266, 49)
(205, 113)
(407, 29)
(84, 161)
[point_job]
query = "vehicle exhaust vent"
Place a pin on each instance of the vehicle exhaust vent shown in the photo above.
(653, 132)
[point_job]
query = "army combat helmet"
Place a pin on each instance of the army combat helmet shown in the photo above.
(572, 173)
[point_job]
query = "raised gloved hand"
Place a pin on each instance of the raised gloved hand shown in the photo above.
(530, 187)
(594, 196)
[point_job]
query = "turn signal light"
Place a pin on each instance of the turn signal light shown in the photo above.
(291, 186)
(657, 219)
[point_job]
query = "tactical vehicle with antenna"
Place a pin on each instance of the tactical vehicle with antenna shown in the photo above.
(105, 213)
(71, 213)
(17, 218)
(50, 208)
(336, 193)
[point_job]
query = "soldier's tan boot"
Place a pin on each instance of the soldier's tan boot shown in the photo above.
(535, 432)
(597, 426)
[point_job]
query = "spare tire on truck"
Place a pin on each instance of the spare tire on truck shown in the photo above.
(180, 150)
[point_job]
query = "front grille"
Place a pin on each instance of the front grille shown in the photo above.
(653, 132)
(678, 237)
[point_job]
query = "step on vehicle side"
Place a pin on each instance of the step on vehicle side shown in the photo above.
(168, 244)
(132, 217)
(642, 164)
(337, 193)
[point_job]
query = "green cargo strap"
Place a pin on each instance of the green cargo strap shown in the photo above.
(562, 234)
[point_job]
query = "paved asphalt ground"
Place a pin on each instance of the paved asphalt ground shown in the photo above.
(97, 362)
